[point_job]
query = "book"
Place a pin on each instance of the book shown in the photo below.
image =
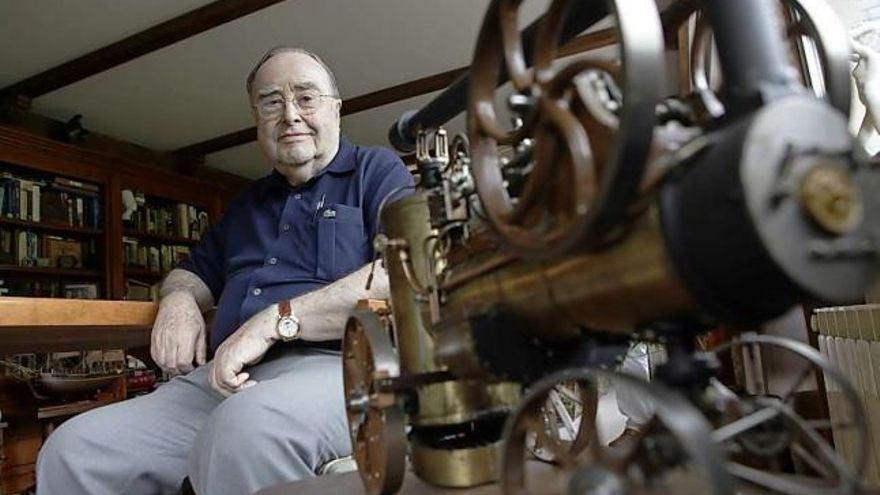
(81, 291)
(76, 185)
(162, 217)
(137, 290)
(7, 246)
(64, 253)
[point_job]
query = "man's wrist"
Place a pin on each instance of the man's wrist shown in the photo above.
(287, 325)
(269, 329)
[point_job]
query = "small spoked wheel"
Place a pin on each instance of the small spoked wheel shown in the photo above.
(375, 418)
(673, 450)
(766, 434)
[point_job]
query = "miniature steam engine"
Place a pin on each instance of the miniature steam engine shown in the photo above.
(588, 206)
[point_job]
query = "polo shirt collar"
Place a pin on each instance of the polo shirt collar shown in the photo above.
(343, 162)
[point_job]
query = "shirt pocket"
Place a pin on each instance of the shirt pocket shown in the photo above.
(342, 242)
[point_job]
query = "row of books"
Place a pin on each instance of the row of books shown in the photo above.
(137, 290)
(58, 201)
(41, 288)
(161, 258)
(28, 248)
(149, 216)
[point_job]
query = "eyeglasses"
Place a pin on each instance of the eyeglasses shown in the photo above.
(306, 103)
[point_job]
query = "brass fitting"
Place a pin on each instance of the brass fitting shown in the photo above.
(830, 198)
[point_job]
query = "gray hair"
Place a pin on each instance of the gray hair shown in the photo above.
(283, 49)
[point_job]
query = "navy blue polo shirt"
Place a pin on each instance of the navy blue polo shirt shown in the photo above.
(276, 241)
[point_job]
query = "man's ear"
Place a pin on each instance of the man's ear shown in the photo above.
(253, 107)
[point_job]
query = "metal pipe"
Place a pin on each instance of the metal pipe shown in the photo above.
(453, 99)
(750, 51)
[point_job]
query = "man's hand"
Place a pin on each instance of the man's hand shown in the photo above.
(867, 75)
(178, 335)
(243, 348)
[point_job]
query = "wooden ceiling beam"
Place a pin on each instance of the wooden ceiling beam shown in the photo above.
(152, 39)
(411, 89)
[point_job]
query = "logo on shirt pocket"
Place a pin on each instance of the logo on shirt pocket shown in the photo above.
(342, 242)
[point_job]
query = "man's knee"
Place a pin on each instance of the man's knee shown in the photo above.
(251, 426)
(70, 441)
(71, 450)
(262, 430)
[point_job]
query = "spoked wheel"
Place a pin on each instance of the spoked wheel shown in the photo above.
(568, 422)
(582, 160)
(674, 453)
(376, 421)
(811, 22)
(816, 20)
(761, 428)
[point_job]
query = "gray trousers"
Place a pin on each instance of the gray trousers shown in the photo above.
(283, 428)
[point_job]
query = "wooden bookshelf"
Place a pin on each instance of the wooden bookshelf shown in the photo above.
(164, 239)
(50, 228)
(134, 272)
(30, 156)
(57, 272)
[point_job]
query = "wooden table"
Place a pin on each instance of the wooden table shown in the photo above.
(30, 324)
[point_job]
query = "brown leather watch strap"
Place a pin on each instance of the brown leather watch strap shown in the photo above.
(284, 309)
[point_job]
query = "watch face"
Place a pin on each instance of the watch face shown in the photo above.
(287, 328)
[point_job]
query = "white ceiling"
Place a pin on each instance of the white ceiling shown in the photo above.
(194, 90)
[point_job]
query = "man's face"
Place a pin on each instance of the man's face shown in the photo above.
(297, 145)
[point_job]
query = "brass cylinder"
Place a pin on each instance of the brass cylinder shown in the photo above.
(461, 401)
(443, 403)
(610, 290)
(407, 220)
(457, 468)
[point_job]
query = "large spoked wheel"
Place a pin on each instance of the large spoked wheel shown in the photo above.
(375, 419)
(816, 20)
(761, 424)
(674, 453)
(810, 21)
(584, 160)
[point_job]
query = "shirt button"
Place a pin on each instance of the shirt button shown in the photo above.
(258, 291)
(273, 260)
(285, 227)
(298, 196)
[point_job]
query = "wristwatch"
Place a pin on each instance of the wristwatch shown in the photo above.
(287, 326)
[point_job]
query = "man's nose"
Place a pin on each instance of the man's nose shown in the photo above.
(291, 112)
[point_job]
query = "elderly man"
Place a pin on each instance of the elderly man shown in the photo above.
(285, 266)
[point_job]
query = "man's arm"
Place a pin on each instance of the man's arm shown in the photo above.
(323, 313)
(184, 280)
(322, 316)
(867, 79)
(179, 336)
